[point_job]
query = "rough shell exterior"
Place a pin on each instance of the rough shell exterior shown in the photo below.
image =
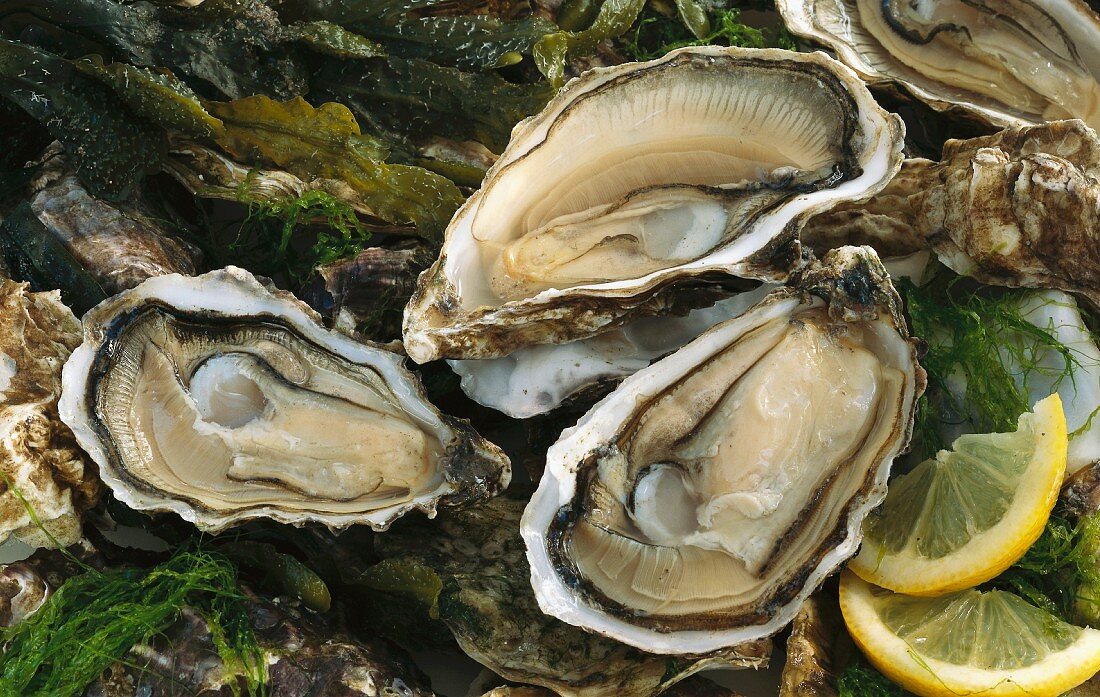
(39, 459)
(1020, 208)
(817, 648)
(116, 243)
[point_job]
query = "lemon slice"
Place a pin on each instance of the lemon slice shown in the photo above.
(967, 643)
(968, 514)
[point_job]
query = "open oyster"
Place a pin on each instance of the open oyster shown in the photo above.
(700, 503)
(221, 400)
(1009, 62)
(646, 178)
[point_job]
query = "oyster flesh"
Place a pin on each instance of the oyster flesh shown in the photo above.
(700, 503)
(1008, 62)
(640, 182)
(221, 400)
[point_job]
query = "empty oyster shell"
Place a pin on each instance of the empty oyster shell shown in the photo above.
(221, 400)
(642, 178)
(1009, 62)
(700, 503)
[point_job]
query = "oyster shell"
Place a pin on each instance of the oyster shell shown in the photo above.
(118, 244)
(817, 649)
(1020, 208)
(363, 296)
(700, 503)
(1023, 61)
(537, 379)
(221, 400)
(41, 466)
(666, 176)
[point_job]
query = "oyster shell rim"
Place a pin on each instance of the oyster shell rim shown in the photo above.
(79, 378)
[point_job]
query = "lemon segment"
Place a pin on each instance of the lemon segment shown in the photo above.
(963, 517)
(992, 644)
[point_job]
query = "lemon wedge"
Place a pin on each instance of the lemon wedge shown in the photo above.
(992, 644)
(968, 514)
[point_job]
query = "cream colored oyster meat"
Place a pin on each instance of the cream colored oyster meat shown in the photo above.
(640, 182)
(222, 400)
(1010, 62)
(701, 502)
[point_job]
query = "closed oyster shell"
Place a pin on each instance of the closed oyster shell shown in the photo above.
(1009, 62)
(685, 512)
(1020, 208)
(642, 182)
(221, 400)
(118, 244)
(42, 468)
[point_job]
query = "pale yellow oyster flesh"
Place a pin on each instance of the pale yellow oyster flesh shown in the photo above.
(642, 183)
(222, 400)
(1008, 62)
(702, 501)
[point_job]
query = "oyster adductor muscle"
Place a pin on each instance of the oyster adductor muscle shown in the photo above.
(221, 400)
(1008, 62)
(642, 181)
(702, 501)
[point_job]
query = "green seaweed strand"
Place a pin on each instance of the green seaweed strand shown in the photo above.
(93, 619)
(343, 234)
(968, 336)
(654, 35)
(860, 679)
(1060, 573)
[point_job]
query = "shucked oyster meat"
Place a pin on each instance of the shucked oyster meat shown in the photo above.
(1009, 62)
(641, 182)
(701, 502)
(221, 400)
